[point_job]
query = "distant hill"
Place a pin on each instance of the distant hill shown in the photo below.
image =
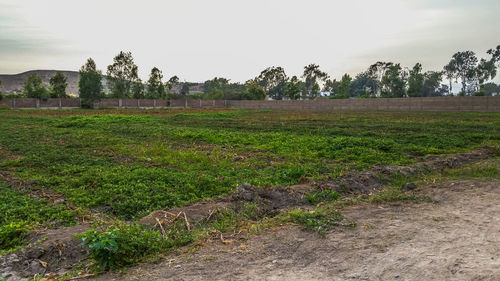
(13, 83)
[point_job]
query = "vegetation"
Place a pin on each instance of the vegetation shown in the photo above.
(122, 75)
(121, 244)
(125, 164)
(58, 84)
(90, 85)
(20, 213)
(34, 88)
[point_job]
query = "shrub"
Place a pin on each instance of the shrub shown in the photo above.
(121, 245)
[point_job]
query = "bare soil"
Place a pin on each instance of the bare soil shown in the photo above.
(457, 237)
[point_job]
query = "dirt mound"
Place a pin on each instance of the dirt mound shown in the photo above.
(50, 251)
(272, 200)
(379, 176)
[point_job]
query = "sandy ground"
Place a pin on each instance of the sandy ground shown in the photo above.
(455, 238)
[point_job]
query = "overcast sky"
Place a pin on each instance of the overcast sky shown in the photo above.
(200, 39)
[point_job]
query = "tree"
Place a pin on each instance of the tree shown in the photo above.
(312, 77)
(345, 86)
(58, 84)
(364, 85)
(137, 89)
(253, 91)
(122, 75)
(393, 82)
(155, 88)
(174, 80)
(34, 88)
(90, 84)
(416, 82)
(464, 67)
(185, 89)
(432, 83)
(293, 88)
(272, 80)
(331, 86)
(449, 72)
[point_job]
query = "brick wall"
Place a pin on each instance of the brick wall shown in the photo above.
(491, 104)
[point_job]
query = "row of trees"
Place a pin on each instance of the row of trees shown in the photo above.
(382, 79)
(34, 87)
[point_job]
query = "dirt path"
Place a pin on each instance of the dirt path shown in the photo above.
(457, 238)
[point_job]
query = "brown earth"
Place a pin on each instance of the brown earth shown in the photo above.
(456, 237)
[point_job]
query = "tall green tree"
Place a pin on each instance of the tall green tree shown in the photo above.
(416, 81)
(364, 85)
(450, 73)
(58, 84)
(345, 87)
(137, 89)
(332, 87)
(393, 82)
(90, 87)
(185, 89)
(293, 88)
(155, 88)
(174, 80)
(34, 88)
(312, 77)
(272, 80)
(122, 75)
(465, 64)
(432, 83)
(253, 91)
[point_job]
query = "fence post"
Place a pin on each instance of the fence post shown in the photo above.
(200, 103)
(119, 103)
(154, 103)
(138, 103)
(14, 103)
(37, 102)
(60, 103)
(185, 102)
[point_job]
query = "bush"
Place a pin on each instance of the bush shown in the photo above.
(121, 245)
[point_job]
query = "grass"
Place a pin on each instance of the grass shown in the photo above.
(21, 213)
(127, 163)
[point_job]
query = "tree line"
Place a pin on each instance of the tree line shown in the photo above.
(381, 79)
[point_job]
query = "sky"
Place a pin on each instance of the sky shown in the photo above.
(236, 39)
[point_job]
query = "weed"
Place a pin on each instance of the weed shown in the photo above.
(319, 221)
(320, 196)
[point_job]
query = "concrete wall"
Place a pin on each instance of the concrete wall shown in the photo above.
(485, 104)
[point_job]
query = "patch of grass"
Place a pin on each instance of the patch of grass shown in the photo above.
(318, 220)
(485, 170)
(321, 196)
(21, 213)
(396, 194)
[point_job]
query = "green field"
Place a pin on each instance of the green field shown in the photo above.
(127, 163)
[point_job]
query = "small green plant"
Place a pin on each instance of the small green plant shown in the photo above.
(320, 196)
(395, 194)
(318, 220)
(121, 244)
